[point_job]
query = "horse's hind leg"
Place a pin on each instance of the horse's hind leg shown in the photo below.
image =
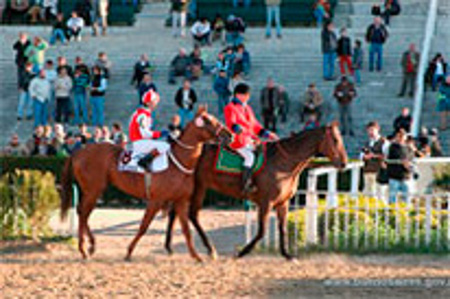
(263, 216)
(87, 205)
(150, 212)
(182, 209)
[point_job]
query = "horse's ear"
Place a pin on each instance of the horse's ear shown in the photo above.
(333, 124)
(201, 109)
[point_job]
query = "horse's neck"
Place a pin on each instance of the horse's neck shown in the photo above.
(299, 155)
(188, 157)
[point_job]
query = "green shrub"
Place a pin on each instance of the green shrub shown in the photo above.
(441, 175)
(27, 200)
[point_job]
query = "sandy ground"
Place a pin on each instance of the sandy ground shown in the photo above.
(56, 270)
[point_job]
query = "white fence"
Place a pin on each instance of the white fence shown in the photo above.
(355, 221)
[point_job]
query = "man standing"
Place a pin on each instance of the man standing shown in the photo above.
(20, 46)
(185, 100)
(25, 103)
(273, 12)
(98, 90)
(329, 48)
(40, 93)
(410, 64)
(376, 36)
(344, 93)
(373, 155)
(270, 103)
(221, 84)
(36, 53)
(140, 69)
(179, 14)
(63, 89)
(312, 103)
(81, 83)
(399, 167)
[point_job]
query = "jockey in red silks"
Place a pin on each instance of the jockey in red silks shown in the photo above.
(241, 120)
(141, 134)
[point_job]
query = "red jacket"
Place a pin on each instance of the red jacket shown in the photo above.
(241, 120)
(138, 132)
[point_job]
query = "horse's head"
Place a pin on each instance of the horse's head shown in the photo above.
(332, 146)
(206, 127)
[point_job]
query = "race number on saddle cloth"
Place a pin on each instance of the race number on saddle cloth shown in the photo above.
(143, 139)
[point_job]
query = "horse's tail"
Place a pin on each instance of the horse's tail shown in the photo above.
(67, 180)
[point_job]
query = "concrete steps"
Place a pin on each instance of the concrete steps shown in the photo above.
(295, 61)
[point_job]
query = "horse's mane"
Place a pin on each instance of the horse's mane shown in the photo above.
(296, 140)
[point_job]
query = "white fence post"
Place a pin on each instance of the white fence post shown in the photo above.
(311, 209)
(73, 218)
(355, 175)
(332, 198)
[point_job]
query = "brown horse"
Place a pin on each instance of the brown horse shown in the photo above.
(275, 185)
(94, 167)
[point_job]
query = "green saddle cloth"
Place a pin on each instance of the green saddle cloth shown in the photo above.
(230, 162)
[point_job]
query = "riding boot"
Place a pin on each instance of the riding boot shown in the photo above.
(147, 160)
(246, 179)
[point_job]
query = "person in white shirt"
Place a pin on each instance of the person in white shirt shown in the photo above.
(75, 24)
(201, 31)
(40, 90)
(373, 155)
(63, 88)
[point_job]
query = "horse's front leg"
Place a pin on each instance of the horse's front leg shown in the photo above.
(282, 211)
(150, 212)
(263, 216)
(182, 210)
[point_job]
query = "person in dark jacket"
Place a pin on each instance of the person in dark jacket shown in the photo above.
(376, 36)
(185, 99)
(403, 121)
(329, 48)
(436, 71)
(146, 85)
(344, 51)
(399, 167)
(221, 84)
(98, 91)
(180, 66)
(140, 69)
(357, 60)
(391, 8)
(344, 93)
(410, 64)
(270, 105)
(25, 102)
(59, 30)
(21, 59)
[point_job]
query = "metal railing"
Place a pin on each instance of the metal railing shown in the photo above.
(420, 80)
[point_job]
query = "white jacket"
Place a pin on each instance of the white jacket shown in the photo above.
(63, 87)
(40, 89)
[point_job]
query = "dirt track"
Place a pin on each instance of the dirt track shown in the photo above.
(56, 270)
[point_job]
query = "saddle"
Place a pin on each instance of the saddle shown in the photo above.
(229, 162)
(128, 161)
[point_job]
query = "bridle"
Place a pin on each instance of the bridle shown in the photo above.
(185, 146)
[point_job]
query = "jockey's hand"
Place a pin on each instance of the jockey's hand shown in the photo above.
(273, 136)
(164, 134)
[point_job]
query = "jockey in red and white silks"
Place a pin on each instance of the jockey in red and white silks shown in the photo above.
(241, 120)
(140, 130)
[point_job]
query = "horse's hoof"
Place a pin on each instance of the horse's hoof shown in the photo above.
(91, 250)
(127, 258)
(214, 256)
(198, 259)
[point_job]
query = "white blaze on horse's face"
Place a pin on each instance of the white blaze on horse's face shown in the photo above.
(199, 122)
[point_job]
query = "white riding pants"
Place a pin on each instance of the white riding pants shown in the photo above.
(145, 146)
(247, 152)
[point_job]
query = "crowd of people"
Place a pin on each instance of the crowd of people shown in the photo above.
(64, 90)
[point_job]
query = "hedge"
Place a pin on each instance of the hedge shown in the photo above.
(114, 197)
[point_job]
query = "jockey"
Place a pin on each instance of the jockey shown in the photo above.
(141, 134)
(241, 120)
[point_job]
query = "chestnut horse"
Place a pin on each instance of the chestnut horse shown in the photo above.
(96, 166)
(275, 184)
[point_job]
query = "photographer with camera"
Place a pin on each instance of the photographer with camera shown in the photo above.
(372, 154)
